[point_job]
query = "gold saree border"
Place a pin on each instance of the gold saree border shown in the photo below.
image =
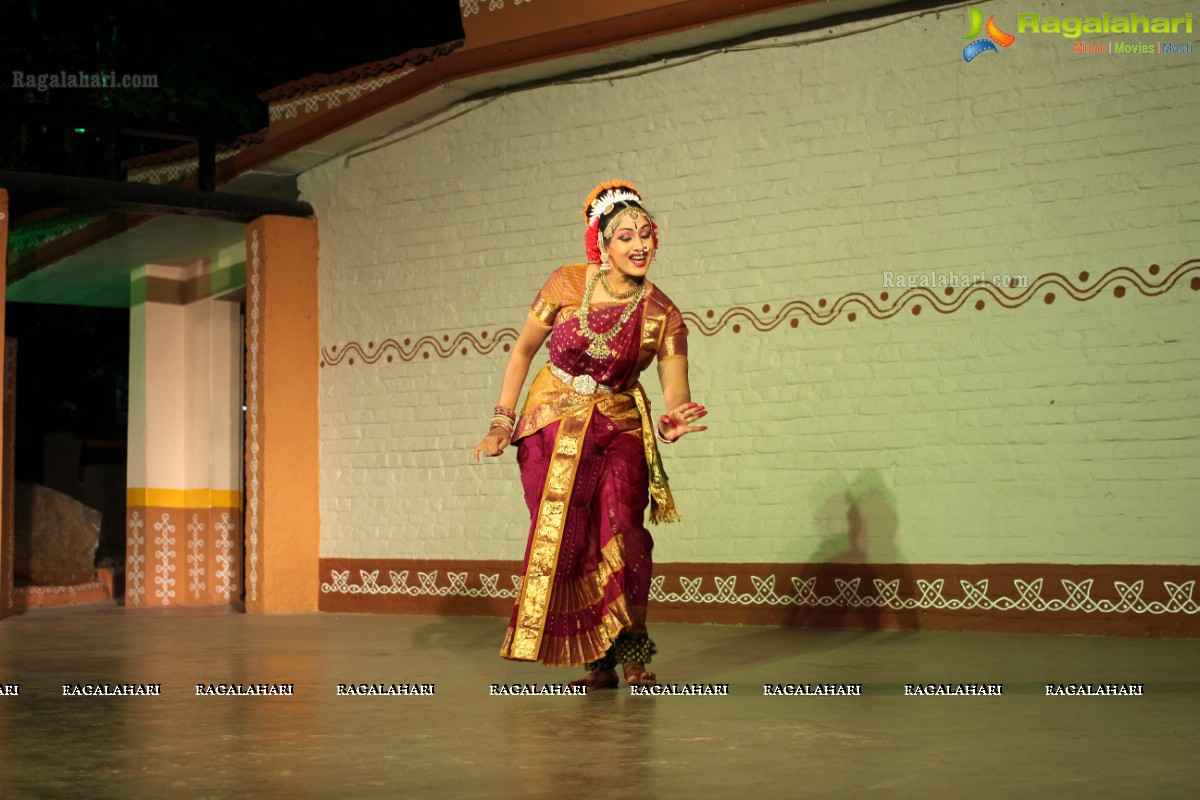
(662, 503)
(538, 580)
(549, 399)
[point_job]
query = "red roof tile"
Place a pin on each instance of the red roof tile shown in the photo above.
(413, 58)
(191, 150)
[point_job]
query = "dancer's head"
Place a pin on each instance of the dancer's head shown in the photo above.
(620, 232)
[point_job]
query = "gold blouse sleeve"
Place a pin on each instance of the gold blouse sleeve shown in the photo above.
(549, 300)
(674, 340)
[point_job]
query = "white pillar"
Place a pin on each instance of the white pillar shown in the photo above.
(183, 517)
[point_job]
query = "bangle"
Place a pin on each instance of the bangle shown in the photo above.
(662, 438)
(505, 418)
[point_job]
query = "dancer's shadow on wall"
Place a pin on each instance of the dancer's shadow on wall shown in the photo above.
(857, 577)
(838, 585)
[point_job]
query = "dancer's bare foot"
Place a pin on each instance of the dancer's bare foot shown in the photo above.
(637, 675)
(598, 679)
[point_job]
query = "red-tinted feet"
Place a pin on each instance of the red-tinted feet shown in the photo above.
(598, 679)
(637, 675)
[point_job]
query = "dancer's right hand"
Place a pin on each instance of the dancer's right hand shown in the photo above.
(493, 444)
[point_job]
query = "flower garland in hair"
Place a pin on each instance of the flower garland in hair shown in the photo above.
(591, 244)
(598, 202)
(604, 203)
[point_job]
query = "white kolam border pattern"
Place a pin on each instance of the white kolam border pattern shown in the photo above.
(135, 560)
(332, 98)
(470, 7)
(176, 171)
(252, 404)
(22, 591)
(1181, 596)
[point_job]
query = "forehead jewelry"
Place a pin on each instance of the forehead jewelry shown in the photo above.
(633, 212)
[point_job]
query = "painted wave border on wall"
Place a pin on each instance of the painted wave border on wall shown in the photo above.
(882, 305)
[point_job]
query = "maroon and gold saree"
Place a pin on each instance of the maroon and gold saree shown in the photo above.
(589, 466)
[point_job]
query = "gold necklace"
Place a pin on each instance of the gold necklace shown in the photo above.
(608, 288)
(599, 348)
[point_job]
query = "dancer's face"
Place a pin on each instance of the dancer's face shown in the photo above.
(631, 246)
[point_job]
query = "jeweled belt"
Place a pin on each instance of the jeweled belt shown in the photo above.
(581, 384)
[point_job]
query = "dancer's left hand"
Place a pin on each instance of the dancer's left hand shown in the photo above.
(680, 421)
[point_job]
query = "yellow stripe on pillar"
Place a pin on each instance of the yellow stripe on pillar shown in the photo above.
(183, 498)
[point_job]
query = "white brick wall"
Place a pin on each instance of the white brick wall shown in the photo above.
(1047, 433)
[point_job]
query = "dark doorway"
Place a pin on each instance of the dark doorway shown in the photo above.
(72, 390)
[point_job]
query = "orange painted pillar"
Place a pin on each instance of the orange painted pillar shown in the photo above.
(6, 510)
(283, 524)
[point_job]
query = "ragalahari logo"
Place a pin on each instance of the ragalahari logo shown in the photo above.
(995, 36)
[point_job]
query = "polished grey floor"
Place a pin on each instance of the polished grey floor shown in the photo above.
(464, 743)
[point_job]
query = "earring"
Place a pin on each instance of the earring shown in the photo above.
(604, 265)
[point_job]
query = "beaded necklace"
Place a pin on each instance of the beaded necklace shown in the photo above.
(611, 292)
(599, 348)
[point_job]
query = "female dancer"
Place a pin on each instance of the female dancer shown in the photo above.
(586, 447)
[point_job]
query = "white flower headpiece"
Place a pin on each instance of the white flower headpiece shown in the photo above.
(605, 202)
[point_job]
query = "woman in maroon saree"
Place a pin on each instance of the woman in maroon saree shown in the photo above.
(586, 447)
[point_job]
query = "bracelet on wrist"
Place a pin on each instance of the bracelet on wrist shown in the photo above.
(505, 419)
(658, 432)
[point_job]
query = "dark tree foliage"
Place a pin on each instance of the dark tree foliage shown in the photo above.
(210, 60)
